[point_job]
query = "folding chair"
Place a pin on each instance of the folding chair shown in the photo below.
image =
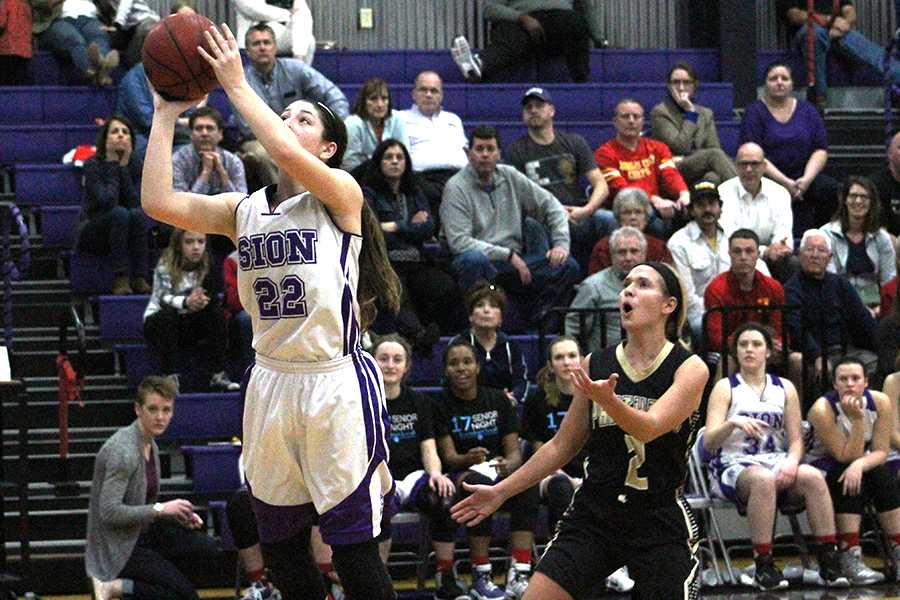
(700, 500)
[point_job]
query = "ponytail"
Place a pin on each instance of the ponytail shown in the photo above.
(377, 279)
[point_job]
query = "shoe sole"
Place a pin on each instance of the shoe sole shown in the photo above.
(463, 57)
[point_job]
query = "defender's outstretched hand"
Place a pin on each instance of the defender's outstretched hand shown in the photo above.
(483, 502)
(601, 391)
(225, 58)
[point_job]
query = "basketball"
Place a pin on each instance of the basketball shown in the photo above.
(173, 65)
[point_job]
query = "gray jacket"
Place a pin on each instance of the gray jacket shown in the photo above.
(879, 249)
(600, 290)
(119, 508)
(491, 222)
(291, 80)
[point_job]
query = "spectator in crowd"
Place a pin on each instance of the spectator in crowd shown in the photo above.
(204, 167)
(113, 223)
(861, 250)
(415, 464)
(482, 217)
(290, 20)
(478, 438)
(373, 120)
(887, 345)
(279, 82)
(852, 426)
(832, 319)
(134, 100)
(887, 181)
(545, 410)
(541, 27)
(240, 326)
(431, 301)
(501, 362)
(831, 30)
(700, 251)
(689, 130)
(753, 427)
(741, 285)
(630, 160)
(755, 202)
(71, 29)
(556, 160)
(889, 289)
(131, 21)
(15, 41)
(601, 291)
(131, 538)
(631, 208)
(184, 313)
(437, 141)
(792, 135)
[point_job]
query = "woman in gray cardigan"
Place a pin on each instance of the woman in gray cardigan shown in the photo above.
(132, 538)
(690, 130)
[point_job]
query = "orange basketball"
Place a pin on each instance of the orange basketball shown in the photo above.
(172, 62)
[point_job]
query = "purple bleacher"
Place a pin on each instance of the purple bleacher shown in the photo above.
(46, 69)
(59, 225)
(402, 66)
(214, 468)
(42, 143)
(205, 416)
(55, 104)
(47, 184)
(139, 362)
(90, 274)
(122, 317)
(218, 508)
(592, 101)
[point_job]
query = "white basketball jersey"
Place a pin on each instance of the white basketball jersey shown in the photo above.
(768, 407)
(297, 277)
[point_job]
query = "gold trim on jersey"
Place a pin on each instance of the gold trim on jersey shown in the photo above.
(636, 375)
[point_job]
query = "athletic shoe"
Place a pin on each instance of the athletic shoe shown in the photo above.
(336, 593)
(447, 587)
(830, 568)
(620, 581)
(220, 382)
(768, 576)
(855, 569)
(468, 63)
(483, 587)
(517, 580)
(102, 589)
(261, 590)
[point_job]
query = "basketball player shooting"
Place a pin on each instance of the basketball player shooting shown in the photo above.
(311, 259)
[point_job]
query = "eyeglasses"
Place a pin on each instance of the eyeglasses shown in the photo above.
(858, 198)
(749, 163)
(681, 82)
(815, 251)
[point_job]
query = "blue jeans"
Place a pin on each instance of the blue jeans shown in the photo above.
(550, 286)
(71, 37)
(118, 233)
(853, 45)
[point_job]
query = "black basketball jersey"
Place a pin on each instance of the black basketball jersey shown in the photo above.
(620, 469)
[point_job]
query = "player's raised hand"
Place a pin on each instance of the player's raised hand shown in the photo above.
(601, 391)
(170, 109)
(224, 56)
(483, 502)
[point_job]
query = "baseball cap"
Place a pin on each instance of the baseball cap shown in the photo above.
(705, 190)
(537, 92)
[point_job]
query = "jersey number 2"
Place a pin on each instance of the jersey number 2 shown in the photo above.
(635, 448)
(284, 301)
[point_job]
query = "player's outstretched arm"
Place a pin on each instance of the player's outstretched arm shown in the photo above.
(562, 448)
(194, 212)
(334, 187)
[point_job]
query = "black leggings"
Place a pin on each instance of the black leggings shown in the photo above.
(437, 510)
(522, 508)
(168, 332)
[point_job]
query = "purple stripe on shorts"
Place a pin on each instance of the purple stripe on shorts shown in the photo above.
(346, 309)
(350, 522)
(366, 392)
(345, 247)
(278, 523)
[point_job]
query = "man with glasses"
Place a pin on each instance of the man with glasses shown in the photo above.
(690, 130)
(437, 141)
(755, 202)
(204, 167)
